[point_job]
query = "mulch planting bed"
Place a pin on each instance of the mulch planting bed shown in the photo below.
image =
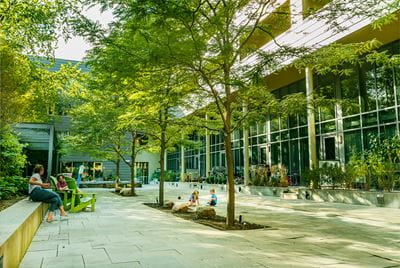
(8, 203)
(218, 222)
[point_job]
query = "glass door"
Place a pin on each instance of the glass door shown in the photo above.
(329, 148)
(142, 172)
(263, 158)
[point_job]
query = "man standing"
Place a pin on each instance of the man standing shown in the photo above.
(80, 172)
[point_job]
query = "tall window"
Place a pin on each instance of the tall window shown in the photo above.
(385, 86)
(350, 92)
(368, 88)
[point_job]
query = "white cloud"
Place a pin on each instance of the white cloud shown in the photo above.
(76, 47)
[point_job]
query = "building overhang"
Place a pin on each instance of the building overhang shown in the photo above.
(385, 35)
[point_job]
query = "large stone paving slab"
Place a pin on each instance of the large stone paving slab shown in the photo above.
(125, 233)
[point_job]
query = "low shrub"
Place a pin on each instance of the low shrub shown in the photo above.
(386, 175)
(210, 180)
(220, 179)
(312, 178)
(260, 176)
(13, 186)
(12, 157)
(333, 175)
(170, 175)
(378, 166)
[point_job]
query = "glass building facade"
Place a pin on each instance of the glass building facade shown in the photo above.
(366, 104)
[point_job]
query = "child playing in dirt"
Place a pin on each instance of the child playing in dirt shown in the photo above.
(194, 199)
(213, 198)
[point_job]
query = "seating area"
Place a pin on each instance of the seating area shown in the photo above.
(193, 133)
(74, 200)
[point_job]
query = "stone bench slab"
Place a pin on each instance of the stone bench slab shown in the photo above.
(18, 225)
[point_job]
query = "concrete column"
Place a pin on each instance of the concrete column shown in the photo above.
(246, 164)
(50, 152)
(268, 131)
(208, 155)
(339, 115)
(312, 143)
(198, 163)
(396, 102)
(182, 163)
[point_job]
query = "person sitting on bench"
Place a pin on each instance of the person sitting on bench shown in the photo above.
(38, 193)
(61, 183)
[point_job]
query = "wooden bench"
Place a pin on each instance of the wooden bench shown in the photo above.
(74, 199)
(80, 200)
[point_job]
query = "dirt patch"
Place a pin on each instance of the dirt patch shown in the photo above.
(8, 203)
(218, 223)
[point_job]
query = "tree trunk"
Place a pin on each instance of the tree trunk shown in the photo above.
(230, 183)
(117, 169)
(132, 165)
(162, 171)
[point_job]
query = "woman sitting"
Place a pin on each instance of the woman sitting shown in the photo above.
(38, 192)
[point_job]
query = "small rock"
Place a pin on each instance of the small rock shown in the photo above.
(180, 208)
(206, 213)
(168, 204)
(125, 191)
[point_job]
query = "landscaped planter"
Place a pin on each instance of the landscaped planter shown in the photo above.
(380, 199)
(269, 191)
(355, 197)
(207, 186)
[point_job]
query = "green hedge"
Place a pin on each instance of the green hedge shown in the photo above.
(13, 186)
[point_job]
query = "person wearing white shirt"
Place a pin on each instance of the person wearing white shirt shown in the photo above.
(38, 192)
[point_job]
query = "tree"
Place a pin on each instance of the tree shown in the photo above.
(97, 126)
(208, 40)
(205, 40)
(29, 28)
(153, 88)
(155, 100)
(94, 129)
(12, 159)
(36, 26)
(14, 96)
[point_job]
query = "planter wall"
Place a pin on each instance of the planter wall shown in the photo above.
(203, 186)
(19, 224)
(264, 190)
(391, 200)
(379, 199)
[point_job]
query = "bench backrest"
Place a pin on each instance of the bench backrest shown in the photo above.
(71, 183)
(53, 182)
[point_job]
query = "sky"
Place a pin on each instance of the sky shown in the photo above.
(76, 47)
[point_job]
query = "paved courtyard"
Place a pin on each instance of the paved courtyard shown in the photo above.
(125, 233)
